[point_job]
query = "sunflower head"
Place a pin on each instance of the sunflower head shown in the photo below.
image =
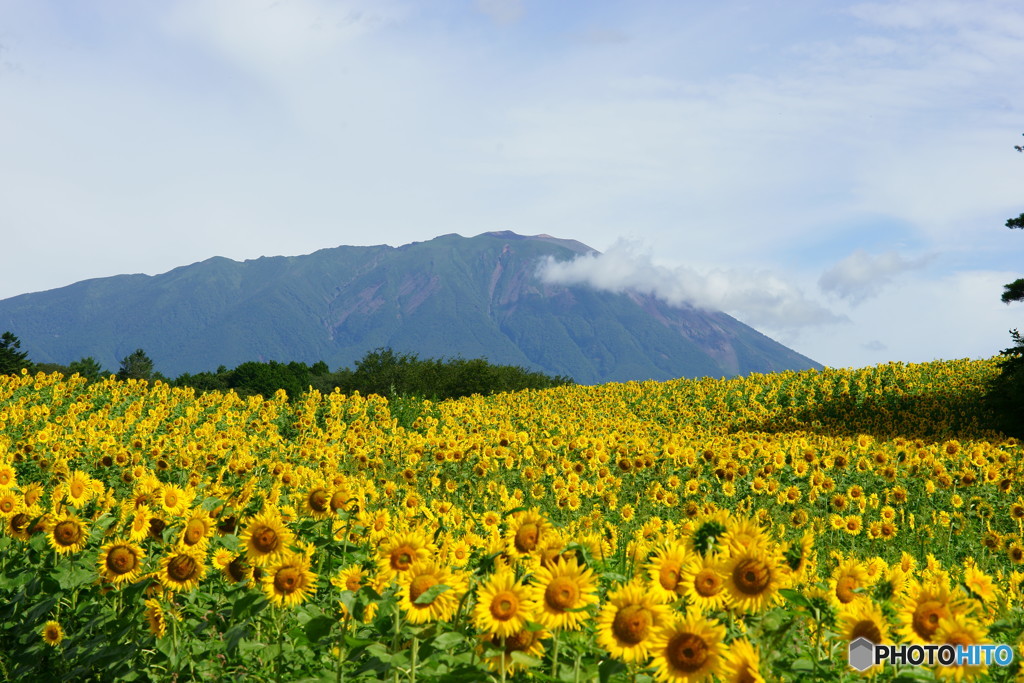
(52, 633)
(688, 650)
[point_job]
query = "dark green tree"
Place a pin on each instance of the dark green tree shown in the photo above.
(88, 368)
(1006, 392)
(11, 359)
(136, 365)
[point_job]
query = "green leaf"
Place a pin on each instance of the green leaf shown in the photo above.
(249, 605)
(796, 597)
(449, 640)
(609, 668)
(533, 626)
(318, 627)
(525, 659)
(431, 594)
(802, 664)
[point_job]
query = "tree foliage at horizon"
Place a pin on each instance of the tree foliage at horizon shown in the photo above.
(1006, 391)
(381, 371)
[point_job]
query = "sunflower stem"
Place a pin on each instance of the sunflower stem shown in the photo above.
(554, 654)
(415, 652)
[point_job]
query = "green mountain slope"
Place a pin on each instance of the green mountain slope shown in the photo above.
(452, 295)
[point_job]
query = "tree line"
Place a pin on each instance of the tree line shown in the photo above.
(381, 371)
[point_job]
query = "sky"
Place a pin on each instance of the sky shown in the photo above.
(836, 174)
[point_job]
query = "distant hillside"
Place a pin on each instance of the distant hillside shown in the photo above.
(452, 295)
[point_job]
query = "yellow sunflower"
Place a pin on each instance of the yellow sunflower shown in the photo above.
(350, 578)
(8, 477)
(849, 577)
(689, 650)
(665, 570)
(52, 633)
(799, 559)
(155, 619)
(956, 630)
(398, 552)
(503, 605)
(561, 592)
(181, 569)
(419, 596)
(528, 642)
(78, 488)
(120, 562)
(753, 578)
(863, 619)
(266, 538)
(140, 523)
(744, 532)
(10, 503)
(526, 531)
(922, 608)
(703, 579)
(742, 663)
(197, 530)
(67, 534)
(317, 502)
(174, 500)
(628, 620)
(289, 581)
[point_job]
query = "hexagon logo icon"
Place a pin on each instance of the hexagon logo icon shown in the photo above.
(862, 654)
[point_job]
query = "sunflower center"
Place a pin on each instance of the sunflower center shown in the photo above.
(236, 569)
(287, 580)
(519, 641)
(77, 488)
(401, 557)
(687, 652)
(632, 624)
(668, 575)
(420, 585)
(926, 618)
(752, 577)
(866, 628)
(561, 594)
(844, 589)
(526, 537)
(6, 505)
(170, 499)
(318, 500)
(337, 500)
(353, 583)
(707, 583)
(19, 522)
(182, 568)
(121, 560)
(194, 532)
(265, 539)
(504, 605)
(67, 533)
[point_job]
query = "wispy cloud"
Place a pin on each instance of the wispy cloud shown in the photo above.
(861, 275)
(759, 298)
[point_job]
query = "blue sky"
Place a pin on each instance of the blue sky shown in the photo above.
(836, 174)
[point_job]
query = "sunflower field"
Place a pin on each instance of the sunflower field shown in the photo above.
(693, 530)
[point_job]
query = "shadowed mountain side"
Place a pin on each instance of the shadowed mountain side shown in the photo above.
(449, 296)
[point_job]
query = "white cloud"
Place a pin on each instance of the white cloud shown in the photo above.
(862, 275)
(759, 298)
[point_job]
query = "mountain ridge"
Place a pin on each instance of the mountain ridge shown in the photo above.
(449, 296)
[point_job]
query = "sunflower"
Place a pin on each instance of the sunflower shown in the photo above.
(562, 592)
(960, 630)
(799, 558)
(317, 502)
(181, 569)
(350, 578)
(78, 488)
(742, 663)
(52, 633)
(503, 605)
(688, 650)
(140, 524)
(289, 581)
(174, 500)
(67, 534)
(980, 584)
(703, 580)
(744, 532)
(120, 562)
(155, 618)
(530, 643)
(710, 530)
(863, 619)
(628, 620)
(753, 578)
(266, 537)
(419, 602)
(665, 570)
(526, 531)
(396, 554)
(197, 530)
(924, 606)
(848, 579)
(10, 503)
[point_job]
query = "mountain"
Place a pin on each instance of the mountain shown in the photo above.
(449, 296)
